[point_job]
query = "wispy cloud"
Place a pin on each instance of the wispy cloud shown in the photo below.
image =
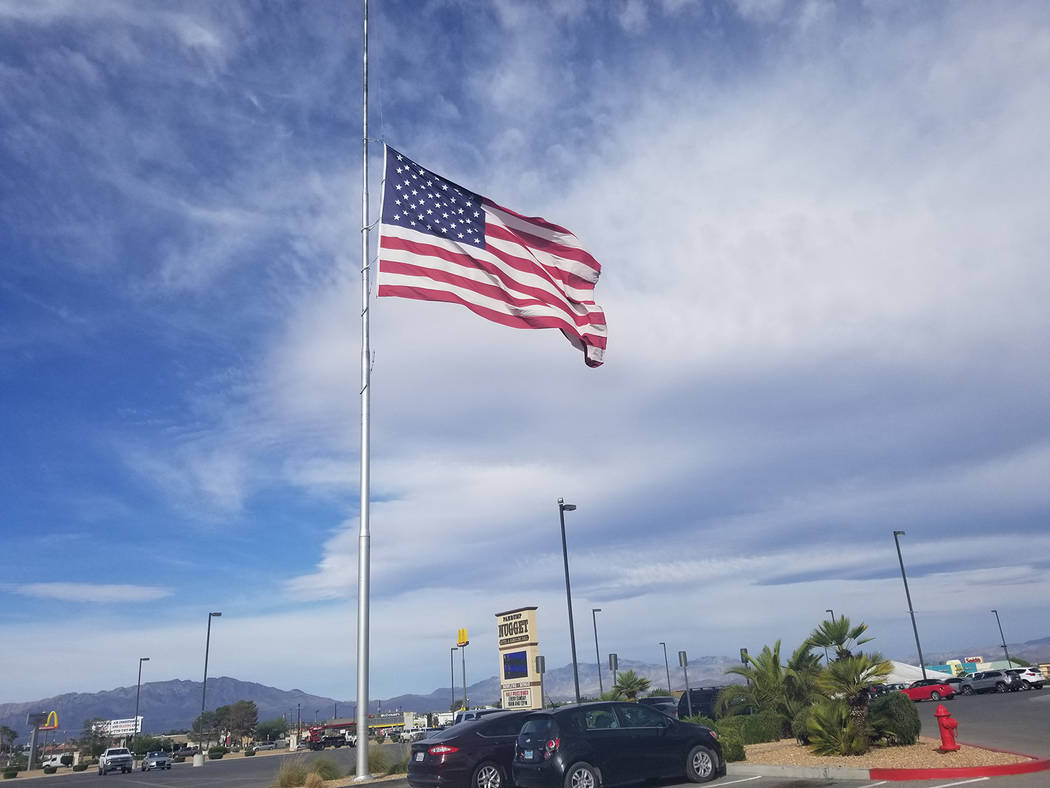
(93, 592)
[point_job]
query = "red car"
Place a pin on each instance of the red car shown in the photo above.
(929, 689)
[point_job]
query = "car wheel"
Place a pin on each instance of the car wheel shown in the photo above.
(700, 764)
(1027, 685)
(1000, 687)
(581, 775)
(967, 689)
(935, 695)
(488, 775)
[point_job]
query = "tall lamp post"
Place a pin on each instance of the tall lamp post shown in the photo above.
(204, 684)
(667, 667)
(597, 654)
(831, 613)
(138, 685)
(1001, 635)
(562, 509)
(452, 671)
(915, 629)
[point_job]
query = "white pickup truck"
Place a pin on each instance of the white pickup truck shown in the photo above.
(116, 759)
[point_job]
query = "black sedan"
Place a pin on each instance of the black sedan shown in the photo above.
(472, 754)
(604, 744)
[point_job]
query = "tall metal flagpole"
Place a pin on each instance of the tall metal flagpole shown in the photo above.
(363, 538)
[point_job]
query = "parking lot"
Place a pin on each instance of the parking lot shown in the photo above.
(1019, 722)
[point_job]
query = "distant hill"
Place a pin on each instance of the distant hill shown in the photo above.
(173, 705)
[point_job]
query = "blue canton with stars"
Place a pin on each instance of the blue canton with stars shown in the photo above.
(418, 199)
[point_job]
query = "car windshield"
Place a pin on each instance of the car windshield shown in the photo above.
(119, 750)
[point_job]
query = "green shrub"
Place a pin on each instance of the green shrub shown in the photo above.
(80, 767)
(291, 774)
(249, 752)
(732, 746)
(10, 773)
(67, 760)
(326, 768)
(378, 760)
(50, 769)
(800, 725)
(752, 728)
(216, 753)
(832, 731)
(894, 719)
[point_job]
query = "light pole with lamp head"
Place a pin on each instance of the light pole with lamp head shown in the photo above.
(138, 686)
(1001, 635)
(915, 629)
(204, 684)
(667, 667)
(597, 654)
(452, 671)
(562, 509)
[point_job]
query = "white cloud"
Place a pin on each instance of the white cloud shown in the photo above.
(93, 592)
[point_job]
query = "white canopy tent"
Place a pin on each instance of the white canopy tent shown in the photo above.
(904, 673)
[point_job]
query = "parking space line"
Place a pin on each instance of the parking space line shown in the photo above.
(742, 780)
(872, 785)
(962, 782)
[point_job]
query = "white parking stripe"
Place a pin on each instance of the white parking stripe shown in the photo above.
(742, 780)
(961, 782)
(872, 785)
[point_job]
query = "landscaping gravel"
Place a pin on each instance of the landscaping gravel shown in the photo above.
(923, 755)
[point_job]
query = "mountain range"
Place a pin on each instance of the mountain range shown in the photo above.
(173, 705)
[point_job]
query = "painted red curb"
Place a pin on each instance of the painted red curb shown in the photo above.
(1027, 767)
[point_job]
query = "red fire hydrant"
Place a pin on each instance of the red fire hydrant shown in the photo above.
(947, 725)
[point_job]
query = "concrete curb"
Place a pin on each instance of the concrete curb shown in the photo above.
(1034, 764)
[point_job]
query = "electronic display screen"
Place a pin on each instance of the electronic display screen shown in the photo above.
(515, 665)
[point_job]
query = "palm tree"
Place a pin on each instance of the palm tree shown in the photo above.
(773, 686)
(7, 737)
(849, 677)
(839, 635)
(629, 684)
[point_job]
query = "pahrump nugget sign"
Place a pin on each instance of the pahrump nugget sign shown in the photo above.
(520, 685)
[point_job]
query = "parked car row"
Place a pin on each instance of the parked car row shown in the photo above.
(574, 746)
(1011, 680)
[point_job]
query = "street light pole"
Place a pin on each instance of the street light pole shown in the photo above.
(1001, 635)
(452, 671)
(667, 667)
(915, 629)
(204, 684)
(826, 660)
(463, 656)
(138, 685)
(562, 509)
(597, 654)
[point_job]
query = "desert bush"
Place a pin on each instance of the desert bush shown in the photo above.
(326, 768)
(50, 769)
(378, 760)
(80, 767)
(10, 774)
(314, 780)
(800, 725)
(399, 766)
(732, 746)
(894, 719)
(292, 773)
(832, 731)
(216, 753)
(249, 752)
(752, 728)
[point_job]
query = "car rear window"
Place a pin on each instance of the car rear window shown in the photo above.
(501, 725)
(540, 727)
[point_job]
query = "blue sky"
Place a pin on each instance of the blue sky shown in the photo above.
(823, 231)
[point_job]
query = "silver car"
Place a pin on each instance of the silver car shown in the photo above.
(990, 681)
(158, 759)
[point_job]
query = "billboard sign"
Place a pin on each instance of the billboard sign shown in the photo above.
(128, 727)
(520, 682)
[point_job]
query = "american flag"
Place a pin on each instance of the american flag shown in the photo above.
(441, 242)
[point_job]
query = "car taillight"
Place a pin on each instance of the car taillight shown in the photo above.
(442, 749)
(550, 748)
